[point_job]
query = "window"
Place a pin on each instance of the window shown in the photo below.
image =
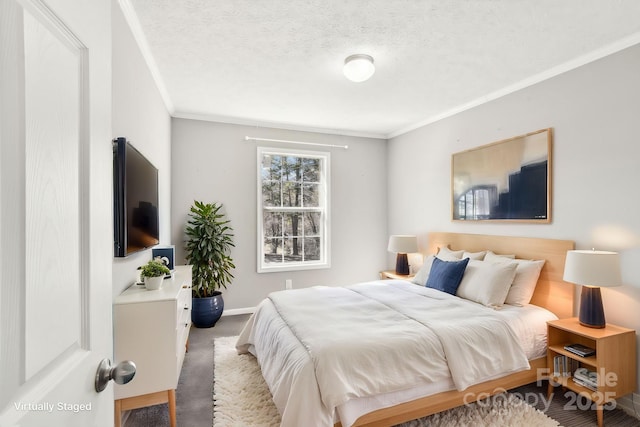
(293, 211)
(477, 202)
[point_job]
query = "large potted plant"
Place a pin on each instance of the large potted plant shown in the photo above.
(208, 246)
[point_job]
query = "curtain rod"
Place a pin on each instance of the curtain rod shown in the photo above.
(251, 138)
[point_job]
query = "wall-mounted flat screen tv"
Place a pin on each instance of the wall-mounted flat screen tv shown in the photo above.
(135, 201)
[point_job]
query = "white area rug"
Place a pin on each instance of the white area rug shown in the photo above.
(241, 398)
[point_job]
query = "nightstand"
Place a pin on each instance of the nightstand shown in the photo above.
(614, 360)
(391, 274)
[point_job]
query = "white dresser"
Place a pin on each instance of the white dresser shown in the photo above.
(151, 328)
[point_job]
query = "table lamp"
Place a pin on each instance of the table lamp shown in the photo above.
(402, 245)
(592, 269)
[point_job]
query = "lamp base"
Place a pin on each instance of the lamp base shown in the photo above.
(402, 264)
(591, 310)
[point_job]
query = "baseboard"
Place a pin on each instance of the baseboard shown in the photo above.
(235, 311)
(626, 403)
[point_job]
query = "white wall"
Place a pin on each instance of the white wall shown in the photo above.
(139, 114)
(213, 163)
(594, 112)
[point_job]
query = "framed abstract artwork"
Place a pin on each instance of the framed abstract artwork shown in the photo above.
(508, 180)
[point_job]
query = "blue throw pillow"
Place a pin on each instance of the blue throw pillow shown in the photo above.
(446, 276)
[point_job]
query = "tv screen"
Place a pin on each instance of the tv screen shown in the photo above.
(135, 204)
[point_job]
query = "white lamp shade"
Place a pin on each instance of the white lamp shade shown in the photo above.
(403, 244)
(593, 268)
(358, 68)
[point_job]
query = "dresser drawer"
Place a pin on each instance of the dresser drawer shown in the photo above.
(183, 303)
(183, 317)
(182, 334)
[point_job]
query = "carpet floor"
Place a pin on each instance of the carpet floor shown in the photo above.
(194, 405)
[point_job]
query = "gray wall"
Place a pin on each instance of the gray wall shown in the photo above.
(139, 114)
(594, 112)
(213, 163)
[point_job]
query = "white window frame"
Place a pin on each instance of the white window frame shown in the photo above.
(325, 258)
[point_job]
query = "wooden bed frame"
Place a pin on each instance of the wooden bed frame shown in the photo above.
(551, 293)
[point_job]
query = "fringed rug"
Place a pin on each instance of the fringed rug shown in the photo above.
(241, 398)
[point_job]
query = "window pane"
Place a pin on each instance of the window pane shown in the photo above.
(482, 203)
(271, 193)
(272, 224)
(292, 224)
(291, 193)
(461, 207)
(312, 221)
(312, 249)
(293, 250)
(311, 170)
(469, 204)
(271, 167)
(292, 169)
(311, 194)
(272, 249)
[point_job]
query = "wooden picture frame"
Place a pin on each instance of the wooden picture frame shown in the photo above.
(508, 180)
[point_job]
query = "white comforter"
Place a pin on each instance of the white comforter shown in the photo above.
(319, 347)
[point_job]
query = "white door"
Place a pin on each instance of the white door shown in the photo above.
(55, 220)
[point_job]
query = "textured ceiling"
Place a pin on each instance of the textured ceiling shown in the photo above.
(279, 62)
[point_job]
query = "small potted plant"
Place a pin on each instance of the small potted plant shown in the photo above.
(153, 273)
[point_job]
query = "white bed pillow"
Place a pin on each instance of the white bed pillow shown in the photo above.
(478, 256)
(487, 283)
(423, 273)
(524, 284)
(525, 280)
(490, 256)
(446, 252)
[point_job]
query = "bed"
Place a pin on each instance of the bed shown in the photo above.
(405, 361)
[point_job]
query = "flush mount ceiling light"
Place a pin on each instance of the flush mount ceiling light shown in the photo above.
(358, 68)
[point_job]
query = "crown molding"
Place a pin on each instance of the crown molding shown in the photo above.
(540, 77)
(276, 125)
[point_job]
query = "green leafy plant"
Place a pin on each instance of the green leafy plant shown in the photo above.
(154, 268)
(208, 246)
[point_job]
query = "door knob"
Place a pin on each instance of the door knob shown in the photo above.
(122, 373)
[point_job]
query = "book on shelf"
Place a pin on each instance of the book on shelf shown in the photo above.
(580, 350)
(564, 366)
(586, 378)
(586, 384)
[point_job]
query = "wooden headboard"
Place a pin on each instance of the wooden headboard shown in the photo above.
(551, 292)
